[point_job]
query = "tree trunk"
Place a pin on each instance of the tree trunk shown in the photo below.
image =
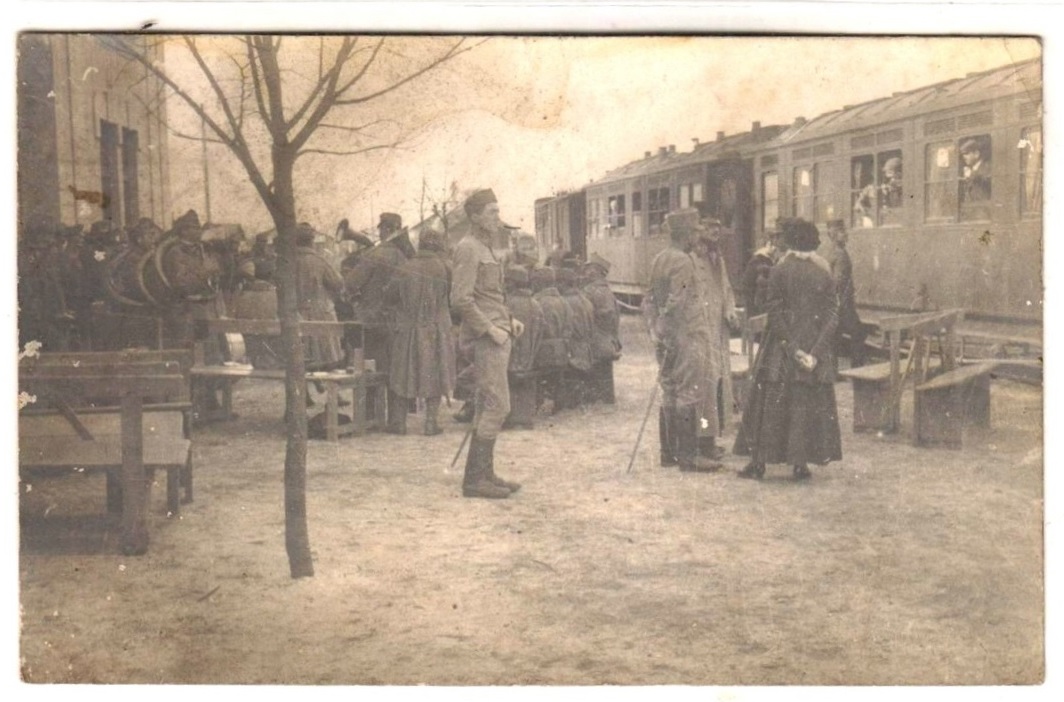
(297, 537)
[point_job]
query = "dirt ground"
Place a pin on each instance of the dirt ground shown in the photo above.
(899, 565)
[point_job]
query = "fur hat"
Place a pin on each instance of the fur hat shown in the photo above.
(476, 202)
(390, 221)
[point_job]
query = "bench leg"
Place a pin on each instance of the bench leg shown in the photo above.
(978, 402)
(186, 478)
(173, 490)
(332, 407)
(380, 406)
(870, 400)
(136, 483)
(114, 492)
(939, 418)
(359, 408)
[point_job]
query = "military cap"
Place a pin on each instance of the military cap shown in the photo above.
(596, 260)
(189, 220)
(685, 220)
(390, 221)
(305, 234)
(431, 240)
(970, 145)
(476, 202)
(801, 235)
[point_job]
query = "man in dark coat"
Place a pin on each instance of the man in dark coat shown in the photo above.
(755, 275)
(42, 315)
(605, 332)
(422, 357)
(318, 287)
(365, 284)
(850, 325)
(552, 356)
(486, 334)
(676, 319)
(522, 370)
(792, 416)
(581, 315)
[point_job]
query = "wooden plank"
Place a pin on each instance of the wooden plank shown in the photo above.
(105, 385)
(98, 423)
(873, 372)
(921, 323)
(106, 452)
(92, 358)
(958, 376)
(135, 484)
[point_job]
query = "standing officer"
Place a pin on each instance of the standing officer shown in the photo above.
(676, 318)
(850, 324)
(486, 329)
(365, 284)
(605, 334)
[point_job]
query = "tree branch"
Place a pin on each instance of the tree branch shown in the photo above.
(447, 56)
(329, 152)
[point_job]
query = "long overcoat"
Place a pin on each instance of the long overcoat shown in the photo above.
(792, 416)
(318, 286)
(553, 352)
(605, 331)
(718, 300)
(527, 311)
(580, 328)
(422, 353)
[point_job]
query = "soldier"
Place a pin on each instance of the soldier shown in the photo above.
(526, 251)
(581, 320)
(486, 332)
(43, 315)
(366, 282)
(423, 347)
(318, 287)
(850, 324)
(755, 275)
(552, 356)
(676, 318)
(719, 302)
(605, 333)
(522, 370)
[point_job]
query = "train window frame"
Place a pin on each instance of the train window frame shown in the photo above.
(939, 158)
(656, 208)
(1025, 146)
(824, 197)
(970, 181)
(870, 197)
(808, 211)
(767, 221)
(615, 213)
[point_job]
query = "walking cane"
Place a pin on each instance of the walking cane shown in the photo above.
(465, 439)
(639, 437)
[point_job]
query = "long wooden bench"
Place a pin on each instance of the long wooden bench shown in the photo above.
(90, 413)
(368, 386)
(944, 405)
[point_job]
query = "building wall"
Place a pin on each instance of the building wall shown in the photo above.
(61, 166)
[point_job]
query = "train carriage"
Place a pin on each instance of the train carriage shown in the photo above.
(940, 188)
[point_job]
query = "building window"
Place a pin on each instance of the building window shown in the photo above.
(803, 193)
(974, 185)
(685, 196)
(616, 210)
(825, 193)
(876, 189)
(1031, 172)
(696, 193)
(110, 174)
(657, 207)
(130, 176)
(770, 200)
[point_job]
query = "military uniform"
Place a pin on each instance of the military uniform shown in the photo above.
(719, 302)
(573, 388)
(318, 285)
(552, 356)
(522, 371)
(605, 331)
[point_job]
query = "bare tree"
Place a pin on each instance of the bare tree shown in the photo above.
(249, 92)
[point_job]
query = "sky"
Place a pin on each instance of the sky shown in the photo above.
(529, 116)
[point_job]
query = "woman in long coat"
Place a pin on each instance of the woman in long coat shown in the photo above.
(792, 416)
(318, 286)
(423, 354)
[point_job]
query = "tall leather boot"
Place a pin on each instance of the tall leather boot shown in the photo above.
(688, 458)
(432, 415)
(707, 447)
(397, 410)
(465, 415)
(476, 482)
(666, 420)
(490, 452)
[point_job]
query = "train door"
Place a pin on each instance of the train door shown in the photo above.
(730, 202)
(577, 225)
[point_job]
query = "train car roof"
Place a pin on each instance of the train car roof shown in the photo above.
(663, 159)
(1022, 77)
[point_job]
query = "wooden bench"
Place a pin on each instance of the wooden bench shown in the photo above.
(944, 405)
(90, 414)
(368, 387)
(878, 388)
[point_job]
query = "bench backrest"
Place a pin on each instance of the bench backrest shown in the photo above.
(106, 377)
(37, 425)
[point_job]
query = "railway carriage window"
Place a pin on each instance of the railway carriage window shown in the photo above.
(1031, 171)
(940, 188)
(617, 218)
(696, 193)
(891, 194)
(770, 200)
(825, 192)
(657, 206)
(863, 195)
(804, 205)
(685, 196)
(974, 174)
(637, 213)
(726, 204)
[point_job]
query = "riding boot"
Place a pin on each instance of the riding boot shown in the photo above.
(707, 446)
(397, 409)
(666, 420)
(432, 413)
(476, 482)
(687, 453)
(490, 451)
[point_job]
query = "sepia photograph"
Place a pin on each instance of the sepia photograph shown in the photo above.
(542, 358)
